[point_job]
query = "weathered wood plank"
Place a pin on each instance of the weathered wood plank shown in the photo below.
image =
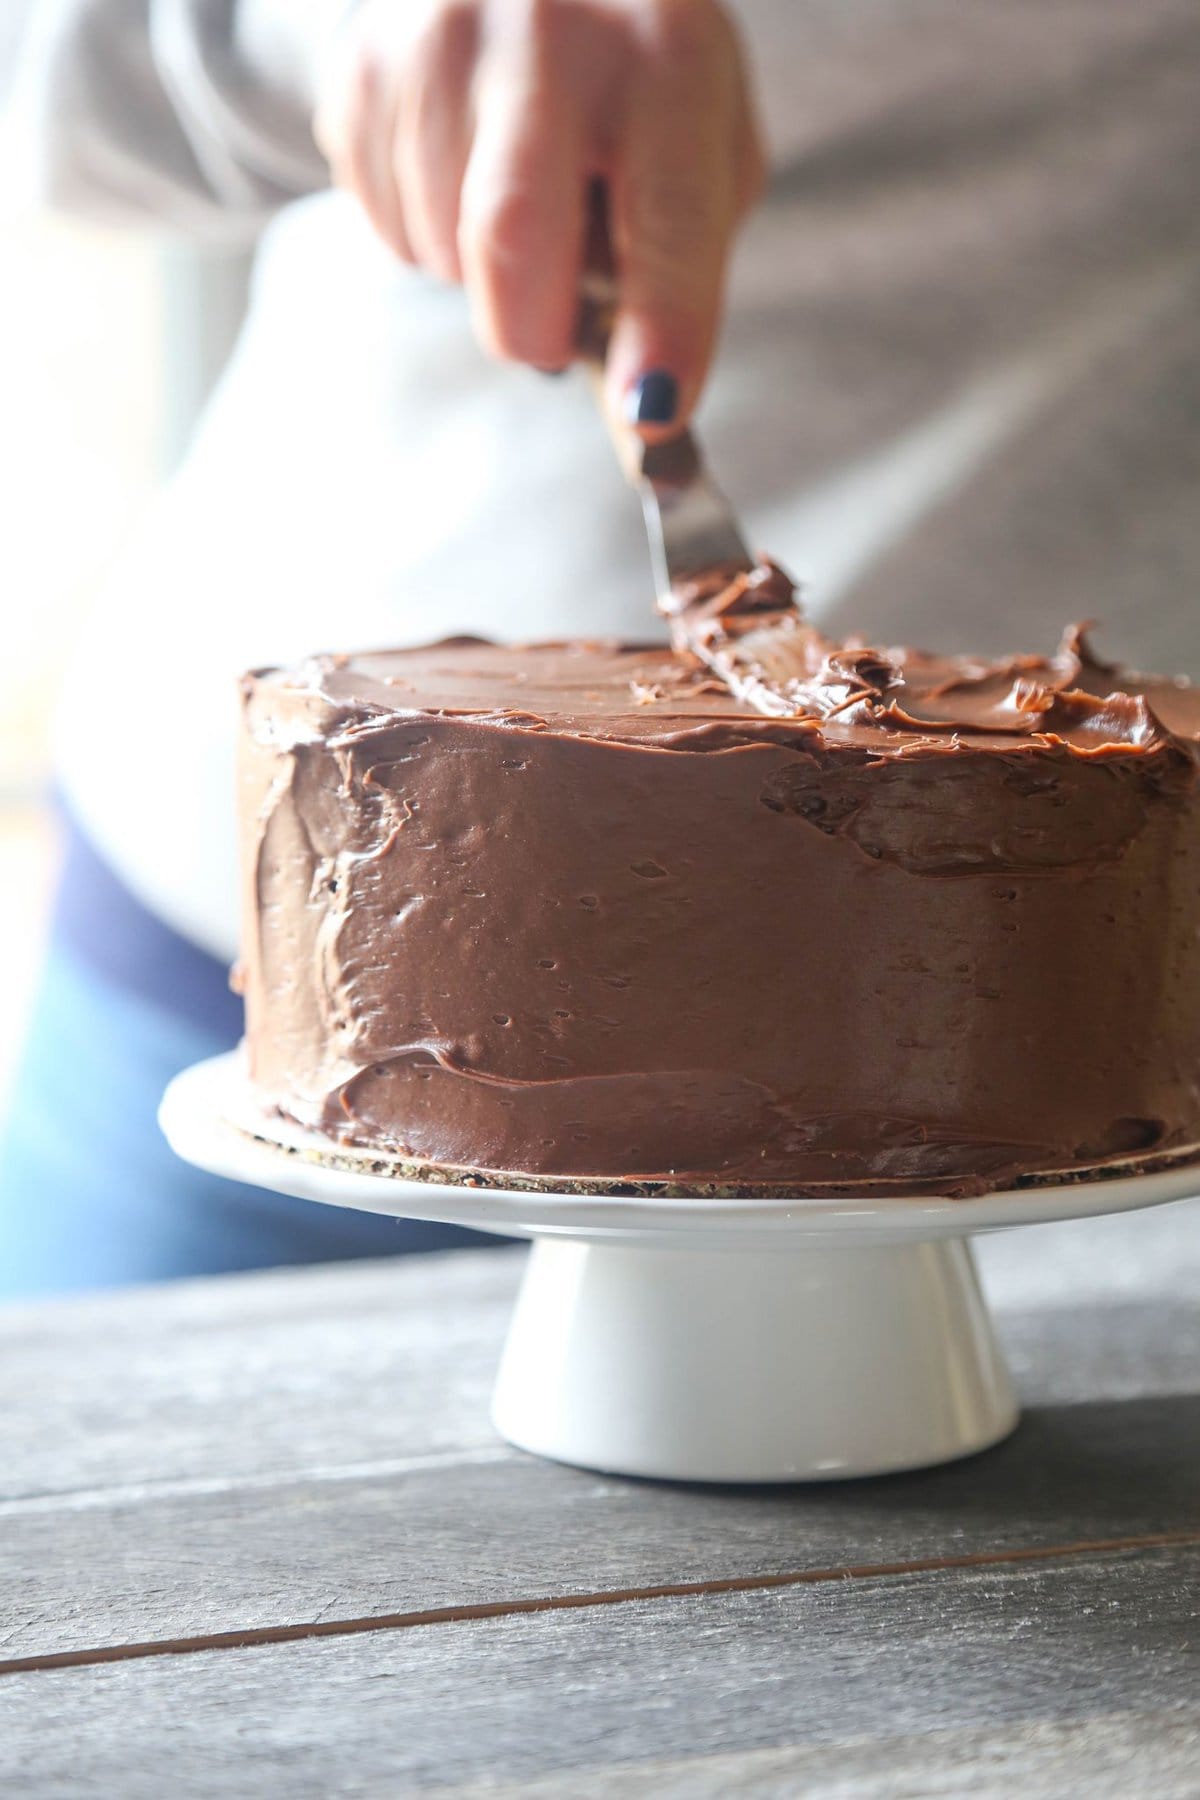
(251, 1375)
(286, 1447)
(1084, 1261)
(1070, 1298)
(159, 1565)
(278, 1374)
(517, 1699)
(1114, 1758)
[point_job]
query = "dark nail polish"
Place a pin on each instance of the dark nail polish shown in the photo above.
(554, 372)
(654, 400)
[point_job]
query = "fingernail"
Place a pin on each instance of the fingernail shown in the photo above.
(653, 400)
(554, 372)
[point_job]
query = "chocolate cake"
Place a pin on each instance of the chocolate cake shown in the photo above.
(831, 915)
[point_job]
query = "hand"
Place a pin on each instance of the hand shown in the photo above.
(472, 134)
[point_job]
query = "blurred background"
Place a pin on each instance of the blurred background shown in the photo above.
(110, 344)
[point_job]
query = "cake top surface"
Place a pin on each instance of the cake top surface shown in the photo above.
(808, 691)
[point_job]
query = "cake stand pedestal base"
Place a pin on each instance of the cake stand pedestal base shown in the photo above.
(752, 1365)
(703, 1339)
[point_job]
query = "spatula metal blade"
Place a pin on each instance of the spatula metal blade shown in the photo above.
(690, 524)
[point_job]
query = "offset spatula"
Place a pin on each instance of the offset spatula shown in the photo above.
(734, 612)
(692, 528)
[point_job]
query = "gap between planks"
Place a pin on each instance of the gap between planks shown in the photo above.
(674, 1590)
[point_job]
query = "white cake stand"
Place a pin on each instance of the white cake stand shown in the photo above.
(705, 1340)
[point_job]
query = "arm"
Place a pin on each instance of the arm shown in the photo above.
(471, 131)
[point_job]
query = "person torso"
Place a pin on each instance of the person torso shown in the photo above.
(958, 394)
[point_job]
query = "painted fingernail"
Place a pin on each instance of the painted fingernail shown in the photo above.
(554, 372)
(654, 400)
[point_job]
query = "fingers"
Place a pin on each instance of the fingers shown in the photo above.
(355, 128)
(685, 174)
(433, 135)
(471, 141)
(521, 225)
(470, 159)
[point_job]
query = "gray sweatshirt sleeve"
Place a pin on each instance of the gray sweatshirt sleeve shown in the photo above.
(194, 115)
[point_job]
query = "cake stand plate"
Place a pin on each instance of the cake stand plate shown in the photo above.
(699, 1339)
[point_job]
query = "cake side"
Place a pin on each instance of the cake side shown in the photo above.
(589, 917)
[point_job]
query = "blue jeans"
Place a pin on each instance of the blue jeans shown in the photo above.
(90, 1194)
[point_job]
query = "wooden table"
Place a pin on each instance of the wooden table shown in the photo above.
(257, 1537)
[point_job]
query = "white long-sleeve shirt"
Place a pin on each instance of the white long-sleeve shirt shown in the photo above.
(959, 389)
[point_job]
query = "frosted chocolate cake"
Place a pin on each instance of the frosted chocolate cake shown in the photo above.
(832, 915)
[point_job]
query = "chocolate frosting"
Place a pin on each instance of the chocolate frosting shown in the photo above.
(763, 911)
